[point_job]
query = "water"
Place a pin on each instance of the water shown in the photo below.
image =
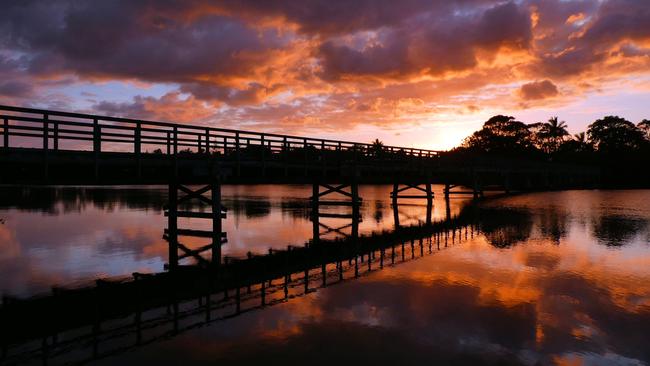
(553, 278)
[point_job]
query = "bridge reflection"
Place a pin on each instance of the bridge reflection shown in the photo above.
(116, 315)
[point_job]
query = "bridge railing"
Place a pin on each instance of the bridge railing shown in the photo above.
(55, 130)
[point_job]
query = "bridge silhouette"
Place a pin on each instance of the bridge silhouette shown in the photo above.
(52, 147)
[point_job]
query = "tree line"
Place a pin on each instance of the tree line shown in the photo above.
(609, 135)
(620, 148)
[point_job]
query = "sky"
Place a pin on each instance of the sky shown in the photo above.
(421, 73)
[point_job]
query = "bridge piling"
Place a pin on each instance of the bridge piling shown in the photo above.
(46, 148)
(137, 149)
(217, 236)
(172, 225)
(237, 154)
(316, 203)
(426, 192)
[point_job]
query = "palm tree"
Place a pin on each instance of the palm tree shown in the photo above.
(555, 131)
(580, 142)
(580, 137)
(377, 147)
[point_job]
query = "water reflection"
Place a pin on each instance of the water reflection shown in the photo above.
(66, 235)
(617, 230)
(506, 227)
(554, 278)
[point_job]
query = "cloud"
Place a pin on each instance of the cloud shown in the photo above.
(578, 48)
(284, 64)
(138, 40)
(15, 89)
(538, 90)
(169, 107)
(432, 44)
(253, 93)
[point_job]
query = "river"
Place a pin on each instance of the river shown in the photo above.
(552, 278)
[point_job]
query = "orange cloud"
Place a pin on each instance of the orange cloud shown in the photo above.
(321, 64)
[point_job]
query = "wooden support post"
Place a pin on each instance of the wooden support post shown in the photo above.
(97, 136)
(306, 156)
(285, 152)
(395, 194)
(322, 159)
(306, 280)
(447, 208)
(263, 148)
(314, 212)
(137, 148)
(175, 172)
(356, 203)
(216, 221)
(207, 141)
(5, 143)
(97, 144)
(369, 261)
(55, 137)
(354, 233)
(46, 132)
(476, 186)
(396, 216)
(238, 153)
(175, 147)
(172, 226)
(46, 140)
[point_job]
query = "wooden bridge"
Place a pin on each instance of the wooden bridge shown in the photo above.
(51, 147)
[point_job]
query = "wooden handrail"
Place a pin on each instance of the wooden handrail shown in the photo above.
(54, 126)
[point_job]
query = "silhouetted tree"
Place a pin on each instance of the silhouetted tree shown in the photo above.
(645, 127)
(577, 144)
(554, 131)
(377, 147)
(537, 136)
(581, 138)
(615, 134)
(500, 134)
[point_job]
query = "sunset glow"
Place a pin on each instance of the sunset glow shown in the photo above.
(424, 73)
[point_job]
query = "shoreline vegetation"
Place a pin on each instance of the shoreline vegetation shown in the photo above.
(617, 147)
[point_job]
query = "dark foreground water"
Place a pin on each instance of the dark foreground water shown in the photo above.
(552, 278)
